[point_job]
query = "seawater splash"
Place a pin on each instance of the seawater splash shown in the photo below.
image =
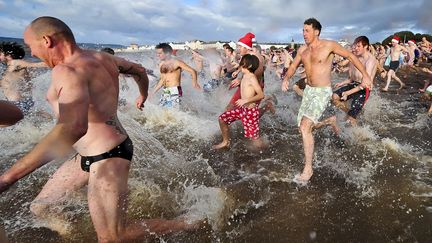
(374, 175)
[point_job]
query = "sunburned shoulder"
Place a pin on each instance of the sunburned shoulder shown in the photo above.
(62, 70)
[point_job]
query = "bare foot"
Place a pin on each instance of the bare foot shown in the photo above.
(421, 90)
(402, 86)
(223, 144)
(194, 225)
(384, 90)
(302, 178)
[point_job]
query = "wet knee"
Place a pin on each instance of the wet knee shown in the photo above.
(335, 98)
(108, 237)
(38, 209)
(305, 129)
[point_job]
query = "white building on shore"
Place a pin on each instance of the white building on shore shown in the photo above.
(199, 45)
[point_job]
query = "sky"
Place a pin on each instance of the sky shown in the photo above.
(153, 21)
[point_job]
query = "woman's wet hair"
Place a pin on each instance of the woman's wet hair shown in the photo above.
(13, 49)
(250, 62)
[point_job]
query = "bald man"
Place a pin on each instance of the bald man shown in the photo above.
(83, 94)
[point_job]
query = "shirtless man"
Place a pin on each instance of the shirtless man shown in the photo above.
(351, 88)
(247, 109)
(316, 56)
(244, 46)
(9, 114)
(83, 94)
(395, 52)
(16, 83)
(412, 49)
(230, 64)
(215, 63)
(198, 59)
(170, 78)
(425, 45)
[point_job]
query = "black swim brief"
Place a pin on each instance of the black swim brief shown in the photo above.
(394, 65)
(123, 150)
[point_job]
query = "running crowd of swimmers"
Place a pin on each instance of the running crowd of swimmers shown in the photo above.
(84, 97)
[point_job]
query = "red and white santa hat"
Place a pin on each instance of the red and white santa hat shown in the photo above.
(251, 35)
(412, 42)
(395, 39)
(246, 41)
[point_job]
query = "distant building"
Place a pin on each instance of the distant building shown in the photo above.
(344, 42)
(201, 45)
(133, 46)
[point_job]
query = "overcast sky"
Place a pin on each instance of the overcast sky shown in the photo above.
(153, 21)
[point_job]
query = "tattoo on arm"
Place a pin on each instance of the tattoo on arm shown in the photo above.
(127, 71)
(122, 69)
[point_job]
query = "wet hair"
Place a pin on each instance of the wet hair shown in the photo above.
(12, 49)
(316, 25)
(51, 26)
(363, 39)
(108, 50)
(166, 48)
(226, 45)
(250, 62)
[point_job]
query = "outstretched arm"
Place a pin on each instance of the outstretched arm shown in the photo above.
(371, 67)
(192, 71)
(18, 64)
(73, 99)
(339, 50)
(139, 74)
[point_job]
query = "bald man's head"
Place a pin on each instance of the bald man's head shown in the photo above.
(52, 27)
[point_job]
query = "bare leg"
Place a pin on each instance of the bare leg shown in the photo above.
(308, 146)
(339, 103)
(427, 82)
(352, 120)
(298, 91)
(389, 76)
(268, 106)
(69, 177)
(430, 109)
(402, 84)
(328, 121)
(225, 136)
(108, 203)
(107, 198)
(229, 107)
